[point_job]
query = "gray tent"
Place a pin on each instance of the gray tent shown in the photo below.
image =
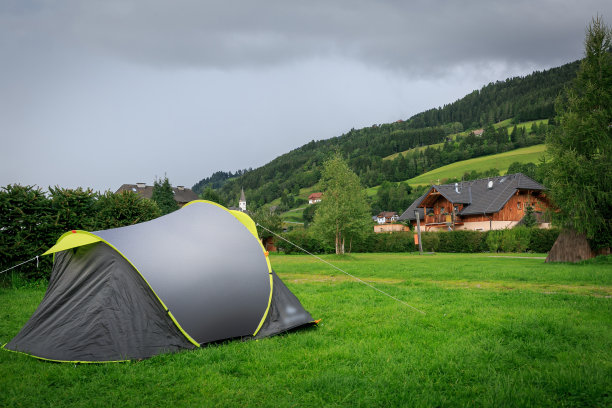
(195, 276)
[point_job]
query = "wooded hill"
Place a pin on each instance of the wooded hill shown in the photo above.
(518, 99)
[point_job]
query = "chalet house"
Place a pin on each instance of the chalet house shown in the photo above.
(386, 217)
(315, 198)
(478, 132)
(485, 204)
(182, 195)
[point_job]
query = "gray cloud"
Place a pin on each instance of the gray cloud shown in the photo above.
(418, 37)
(100, 93)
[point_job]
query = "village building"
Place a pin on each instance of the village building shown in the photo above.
(182, 195)
(485, 204)
(386, 223)
(242, 203)
(387, 217)
(315, 198)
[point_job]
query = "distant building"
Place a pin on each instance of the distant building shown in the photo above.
(242, 204)
(478, 132)
(484, 204)
(387, 217)
(242, 201)
(182, 195)
(315, 198)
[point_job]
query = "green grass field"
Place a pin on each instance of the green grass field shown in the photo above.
(499, 161)
(498, 331)
(295, 215)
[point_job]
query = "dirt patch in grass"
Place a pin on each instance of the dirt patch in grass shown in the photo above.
(547, 289)
(307, 278)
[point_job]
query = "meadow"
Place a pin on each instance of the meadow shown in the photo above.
(497, 331)
(500, 161)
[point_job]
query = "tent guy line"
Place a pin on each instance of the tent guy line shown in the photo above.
(23, 263)
(346, 273)
(144, 287)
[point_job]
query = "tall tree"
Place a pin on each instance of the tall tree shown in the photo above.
(268, 219)
(580, 174)
(343, 215)
(163, 195)
(211, 195)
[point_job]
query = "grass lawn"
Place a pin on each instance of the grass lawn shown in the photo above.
(294, 215)
(499, 161)
(498, 331)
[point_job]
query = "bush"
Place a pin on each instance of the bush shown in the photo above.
(464, 241)
(73, 209)
(304, 239)
(431, 241)
(395, 242)
(125, 208)
(31, 222)
(522, 239)
(542, 240)
(27, 223)
(515, 239)
(494, 240)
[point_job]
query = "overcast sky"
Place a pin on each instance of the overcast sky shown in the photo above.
(101, 93)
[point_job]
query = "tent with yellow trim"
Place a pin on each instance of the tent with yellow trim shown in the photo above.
(194, 276)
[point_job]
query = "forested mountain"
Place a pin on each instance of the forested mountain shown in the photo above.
(217, 180)
(521, 98)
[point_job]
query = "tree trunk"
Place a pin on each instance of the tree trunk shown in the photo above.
(570, 246)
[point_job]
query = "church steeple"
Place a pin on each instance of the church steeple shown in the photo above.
(242, 202)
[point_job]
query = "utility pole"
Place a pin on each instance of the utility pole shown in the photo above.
(418, 218)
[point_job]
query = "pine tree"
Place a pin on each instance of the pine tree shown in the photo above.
(163, 195)
(580, 174)
(529, 219)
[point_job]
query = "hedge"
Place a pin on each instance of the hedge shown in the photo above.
(518, 239)
(31, 221)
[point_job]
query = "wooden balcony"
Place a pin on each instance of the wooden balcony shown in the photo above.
(441, 219)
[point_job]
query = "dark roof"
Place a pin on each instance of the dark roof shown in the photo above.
(386, 214)
(408, 215)
(476, 196)
(181, 194)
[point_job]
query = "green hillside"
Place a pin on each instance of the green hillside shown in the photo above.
(431, 139)
(456, 136)
(501, 162)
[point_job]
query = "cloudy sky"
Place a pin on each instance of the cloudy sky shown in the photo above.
(101, 93)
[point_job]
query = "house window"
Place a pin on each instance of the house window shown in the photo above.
(518, 205)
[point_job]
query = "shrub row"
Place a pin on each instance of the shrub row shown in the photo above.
(32, 220)
(519, 239)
